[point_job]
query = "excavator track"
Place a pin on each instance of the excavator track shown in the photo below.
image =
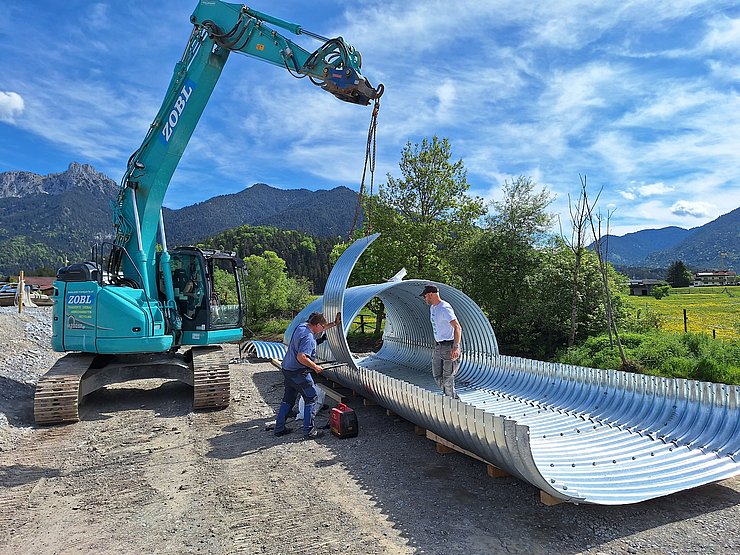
(57, 397)
(211, 378)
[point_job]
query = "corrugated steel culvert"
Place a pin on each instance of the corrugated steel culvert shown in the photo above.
(580, 434)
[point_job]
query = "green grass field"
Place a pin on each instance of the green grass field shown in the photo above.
(708, 310)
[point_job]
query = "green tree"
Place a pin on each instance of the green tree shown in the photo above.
(269, 289)
(660, 291)
(424, 219)
(544, 316)
(678, 275)
(498, 265)
(425, 216)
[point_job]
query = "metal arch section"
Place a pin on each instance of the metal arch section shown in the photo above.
(580, 434)
(334, 293)
(265, 350)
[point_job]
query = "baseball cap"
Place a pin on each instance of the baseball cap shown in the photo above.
(429, 289)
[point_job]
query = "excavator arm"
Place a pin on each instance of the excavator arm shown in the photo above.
(335, 66)
(219, 28)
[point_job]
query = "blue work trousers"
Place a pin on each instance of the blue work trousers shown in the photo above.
(297, 383)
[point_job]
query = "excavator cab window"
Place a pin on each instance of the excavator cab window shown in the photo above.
(207, 286)
(191, 288)
(225, 298)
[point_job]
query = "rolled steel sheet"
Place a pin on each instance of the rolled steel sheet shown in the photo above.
(583, 435)
(265, 349)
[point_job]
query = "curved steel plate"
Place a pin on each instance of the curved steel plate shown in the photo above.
(580, 434)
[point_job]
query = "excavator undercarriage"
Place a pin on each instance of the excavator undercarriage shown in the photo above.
(61, 390)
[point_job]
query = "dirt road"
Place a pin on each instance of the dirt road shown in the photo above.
(142, 474)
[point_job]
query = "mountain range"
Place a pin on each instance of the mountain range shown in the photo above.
(47, 219)
(712, 246)
(319, 213)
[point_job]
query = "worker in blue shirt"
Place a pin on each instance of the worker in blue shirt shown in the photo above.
(296, 367)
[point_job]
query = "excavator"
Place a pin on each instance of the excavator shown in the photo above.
(138, 310)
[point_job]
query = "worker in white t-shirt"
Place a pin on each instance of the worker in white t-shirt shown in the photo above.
(447, 334)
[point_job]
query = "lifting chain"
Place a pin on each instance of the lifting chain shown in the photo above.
(370, 149)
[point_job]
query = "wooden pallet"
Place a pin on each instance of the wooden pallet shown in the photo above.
(444, 447)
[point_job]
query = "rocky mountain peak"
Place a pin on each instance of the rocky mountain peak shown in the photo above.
(20, 184)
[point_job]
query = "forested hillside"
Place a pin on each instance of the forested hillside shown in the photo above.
(710, 246)
(47, 219)
(304, 256)
(318, 213)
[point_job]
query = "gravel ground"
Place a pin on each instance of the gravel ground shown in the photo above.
(141, 473)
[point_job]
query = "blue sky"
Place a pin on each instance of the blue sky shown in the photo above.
(639, 96)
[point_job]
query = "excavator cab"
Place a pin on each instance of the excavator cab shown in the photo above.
(209, 298)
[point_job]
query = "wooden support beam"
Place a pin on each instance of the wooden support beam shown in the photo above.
(332, 393)
(368, 402)
(442, 441)
(549, 500)
(444, 447)
(444, 450)
(419, 431)
(496, 472)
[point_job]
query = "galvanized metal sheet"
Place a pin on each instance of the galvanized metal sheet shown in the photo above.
(580, 434)
(265, 349)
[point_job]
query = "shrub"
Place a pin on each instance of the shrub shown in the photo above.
(661, 291)
(659, 347)
(678, 367)
(710, 370)
(673, 355)
(644, 321)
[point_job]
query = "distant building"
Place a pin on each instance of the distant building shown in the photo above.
(717, 277)
(42, 284)
(644, 287)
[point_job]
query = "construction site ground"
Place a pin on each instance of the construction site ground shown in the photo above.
(141, 473)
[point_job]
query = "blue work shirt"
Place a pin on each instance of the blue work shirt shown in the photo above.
(303, 341)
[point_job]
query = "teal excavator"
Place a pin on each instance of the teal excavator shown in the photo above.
(138, 310)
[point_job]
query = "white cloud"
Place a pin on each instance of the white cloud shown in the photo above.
(724, 71)
(579, 88)
(694, 209)
(724, 34)
(11, 106)
(446, 96)
(93, 120)
(668, 100)
(654, 189)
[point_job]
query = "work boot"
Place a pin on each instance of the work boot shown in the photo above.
(283, 432)
(313, 434)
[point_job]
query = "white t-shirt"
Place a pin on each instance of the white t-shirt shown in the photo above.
(441, 314)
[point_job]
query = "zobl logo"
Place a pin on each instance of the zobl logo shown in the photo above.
(174, 116)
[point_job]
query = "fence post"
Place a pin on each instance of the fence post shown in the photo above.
(19, 291)
(685, 322)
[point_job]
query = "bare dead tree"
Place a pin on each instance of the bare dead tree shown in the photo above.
(577, 245)
(602, 252)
